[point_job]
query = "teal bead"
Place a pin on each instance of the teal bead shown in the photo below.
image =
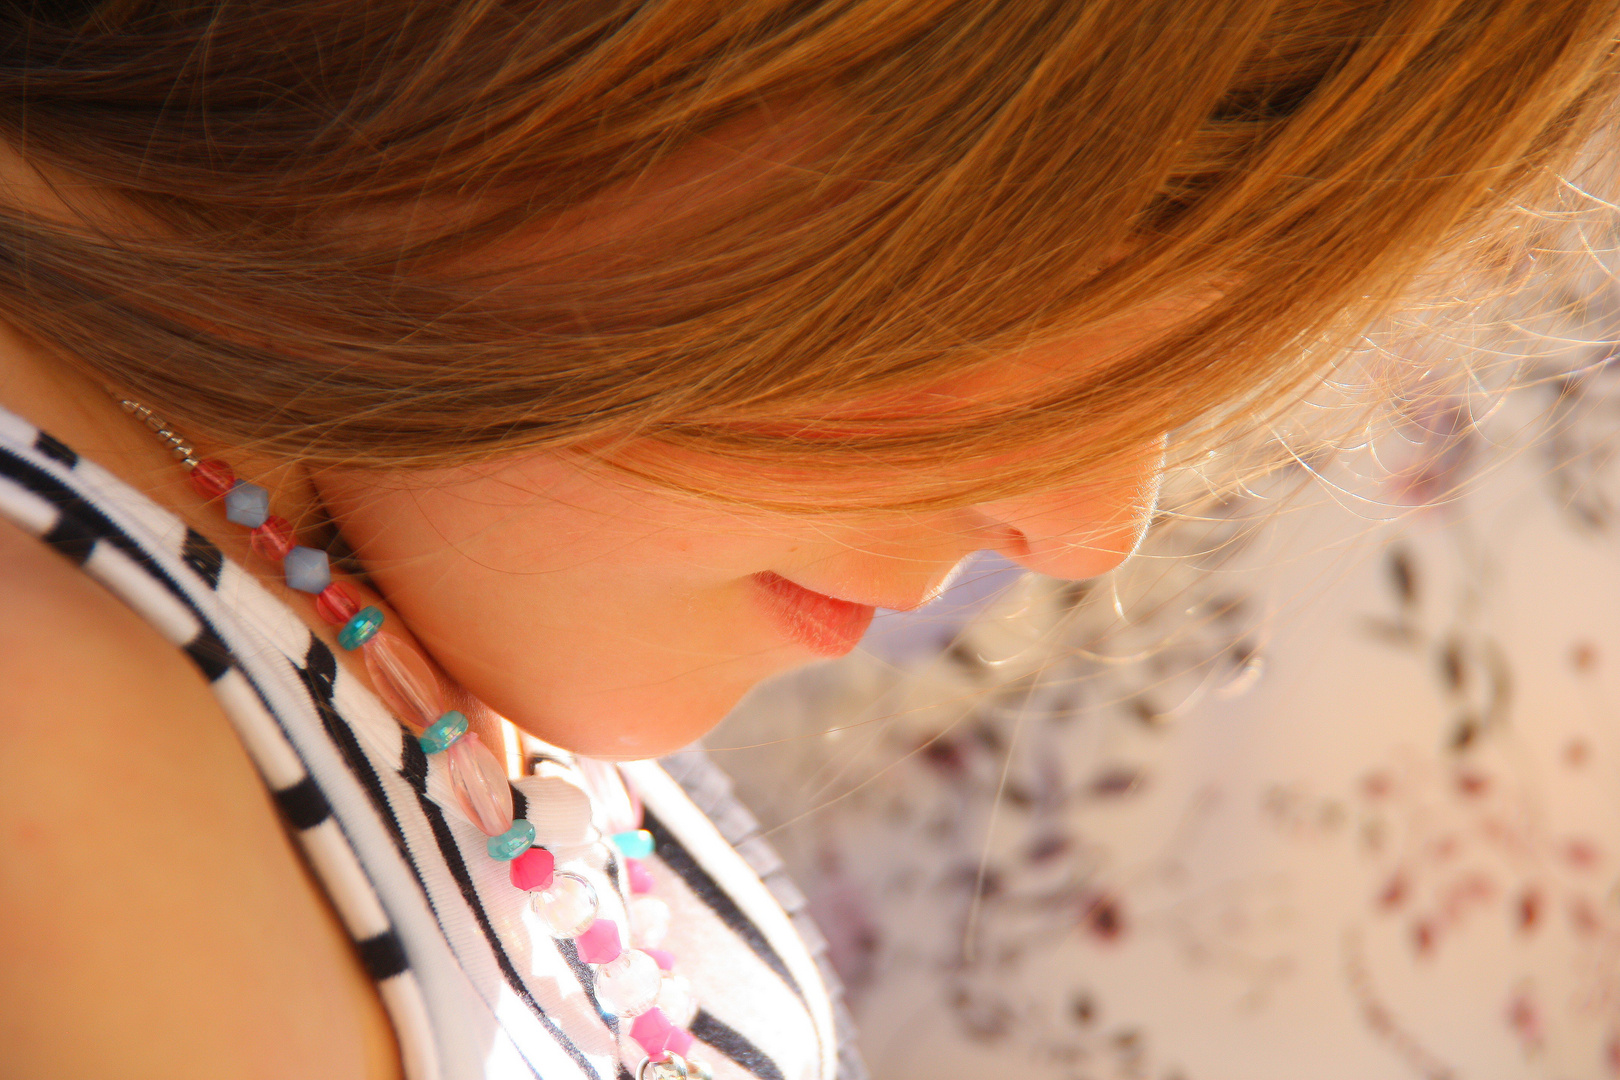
(361, 628)
(513, 842)
(635, 844)
(442, 732)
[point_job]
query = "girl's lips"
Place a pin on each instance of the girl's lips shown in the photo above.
(824, 625)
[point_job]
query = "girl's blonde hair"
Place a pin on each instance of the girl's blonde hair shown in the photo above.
(974, 178)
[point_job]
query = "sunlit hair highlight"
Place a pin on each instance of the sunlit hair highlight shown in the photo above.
(332, 237)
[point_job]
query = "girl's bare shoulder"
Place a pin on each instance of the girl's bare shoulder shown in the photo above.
(154, 916)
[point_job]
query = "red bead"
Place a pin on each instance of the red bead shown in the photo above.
(533, 869)
(212, 478)
(662, 957)
(335, 605)
(273, 539)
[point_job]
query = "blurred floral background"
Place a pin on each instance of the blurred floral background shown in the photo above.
(1324, 783)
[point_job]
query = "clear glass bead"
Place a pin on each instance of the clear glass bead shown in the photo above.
(628, 985)
(403, 679)
(675, 997)
(568, 907)
(480, 784)
(649, 921)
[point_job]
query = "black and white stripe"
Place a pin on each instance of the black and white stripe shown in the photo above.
(52, 494)
(472, 988)
(710, 791)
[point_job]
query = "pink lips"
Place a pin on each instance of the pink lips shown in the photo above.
(823, 624)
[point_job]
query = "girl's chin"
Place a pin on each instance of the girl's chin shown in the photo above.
(625, 704)
(629, 742)
(632, 724)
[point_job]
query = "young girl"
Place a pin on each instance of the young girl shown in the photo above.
(376, 371)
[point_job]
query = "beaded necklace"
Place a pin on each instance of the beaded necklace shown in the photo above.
(633, 979)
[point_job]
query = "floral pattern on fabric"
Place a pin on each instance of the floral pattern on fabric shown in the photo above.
(1321, 786)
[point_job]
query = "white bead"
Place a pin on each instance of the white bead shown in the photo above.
(628, 985)
(649, 921)
(568, 907)
(676, 999)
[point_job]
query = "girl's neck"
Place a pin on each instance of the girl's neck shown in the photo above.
(50, 394)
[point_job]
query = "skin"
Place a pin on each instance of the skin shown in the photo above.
(621, 621)
(601, 615)
(657, 596)
(143, 866)
(598, 613)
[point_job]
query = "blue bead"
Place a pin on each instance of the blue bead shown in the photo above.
(513, 842)
(307, 569)
(247, 504)
(442, 732)
(361, 628)
(635, 844)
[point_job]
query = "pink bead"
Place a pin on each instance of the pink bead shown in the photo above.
(335, 605)
(641, 879)
(403, 680)
(663, 958)
(600, 943)
(273, 539)
(480, 785)
(533, 870)
(212, 478)
(653, 1030)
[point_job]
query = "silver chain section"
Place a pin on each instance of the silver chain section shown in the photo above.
(671, 1066)
(182, 450)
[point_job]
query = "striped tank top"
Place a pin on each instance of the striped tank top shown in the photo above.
(474, 987)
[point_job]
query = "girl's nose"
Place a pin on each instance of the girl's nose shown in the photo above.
(1076, 533)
